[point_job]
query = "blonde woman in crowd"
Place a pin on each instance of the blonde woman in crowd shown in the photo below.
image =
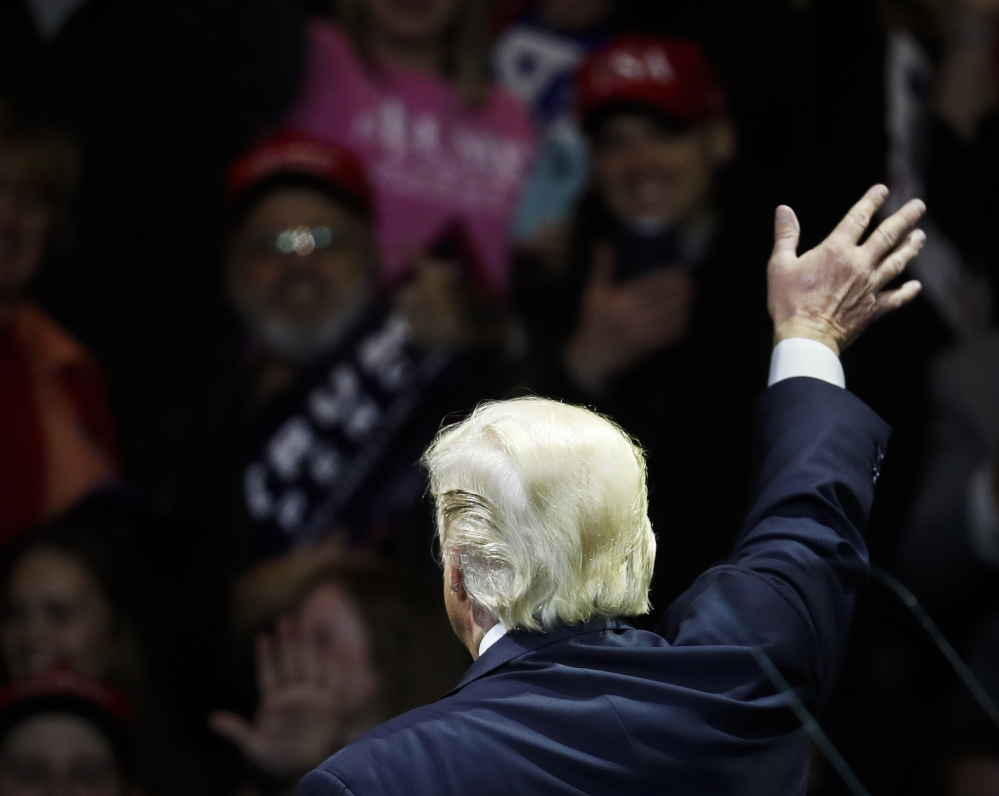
(405, 86)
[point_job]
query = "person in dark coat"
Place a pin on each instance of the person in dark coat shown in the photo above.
(158, 98)
(542, 513)
(657, 318)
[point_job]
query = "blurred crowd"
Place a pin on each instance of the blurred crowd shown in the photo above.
(254, 254)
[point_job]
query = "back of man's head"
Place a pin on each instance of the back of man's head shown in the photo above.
(544, 508)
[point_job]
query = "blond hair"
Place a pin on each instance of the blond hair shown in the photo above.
(544, 507)
(466, 44)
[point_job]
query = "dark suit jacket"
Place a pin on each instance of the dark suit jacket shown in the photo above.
(607, 709)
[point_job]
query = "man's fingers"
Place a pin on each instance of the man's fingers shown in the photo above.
(651, 308)
(656, 290)
(602, 274)
(891, 230)
(267, 671)
(426, 266)
(310, 653)
(859, 218)
(895, 264)
(333, 677)
(661, 279)
(287, 649)
(786, 231)
(232, 726)
(891, 300)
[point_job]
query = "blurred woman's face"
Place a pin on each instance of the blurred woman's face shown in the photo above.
(26, 216)
(58, 754)
(411, 21)
(55, 614)
(331, 619)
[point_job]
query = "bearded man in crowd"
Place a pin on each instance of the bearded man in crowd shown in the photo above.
(340, 386)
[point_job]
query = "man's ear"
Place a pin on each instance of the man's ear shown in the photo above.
(456, 578)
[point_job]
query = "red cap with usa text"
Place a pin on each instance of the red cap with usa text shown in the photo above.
(670, 76)
(290, 153)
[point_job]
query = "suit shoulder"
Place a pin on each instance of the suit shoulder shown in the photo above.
(373, 762)
(322, 783)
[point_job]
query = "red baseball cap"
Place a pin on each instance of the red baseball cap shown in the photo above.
(64, 691)
(290, 153)
(670, 76)
(64, 683)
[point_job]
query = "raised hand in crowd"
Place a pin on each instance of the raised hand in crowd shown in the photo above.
(441, 309)
(833, 292)
(309, 703)
(621, 323)
(549, 248)
(433, 304)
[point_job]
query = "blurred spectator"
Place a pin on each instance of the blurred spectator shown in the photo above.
(73, 599)
(661, 272)
(405, 85)
(158, 97)
(536, 59)
(342, 644)
(933, 115)
(962, 161)
(930, 735)
(59, 609)
(952, 545)
(940, 84)
(971, 746)
(56, 436)
(342, 386)
(799, 80)
(929, 374)
(61, 733)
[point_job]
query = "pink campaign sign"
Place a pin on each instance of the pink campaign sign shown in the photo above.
(433, 160)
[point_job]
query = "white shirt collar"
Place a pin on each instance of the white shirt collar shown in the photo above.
(493, 634)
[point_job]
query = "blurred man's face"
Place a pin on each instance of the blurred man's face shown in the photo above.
(646, 171)
(58, 753)
(55, 614)
(26, 215)
(298, 301)
(411, 21)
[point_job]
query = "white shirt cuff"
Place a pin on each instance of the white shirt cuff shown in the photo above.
(492, 635)
(799, 356)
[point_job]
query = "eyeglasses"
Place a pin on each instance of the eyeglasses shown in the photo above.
(302, 241)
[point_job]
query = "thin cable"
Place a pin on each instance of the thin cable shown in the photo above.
(808, 721)
(815, 732)
(972, 683)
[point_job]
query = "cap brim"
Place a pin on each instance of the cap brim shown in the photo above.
(597, 117)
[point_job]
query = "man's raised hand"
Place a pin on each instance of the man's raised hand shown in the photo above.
(834, 291)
